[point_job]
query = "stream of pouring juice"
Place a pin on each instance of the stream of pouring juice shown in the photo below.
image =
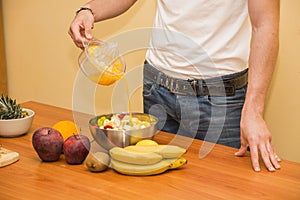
(107, 78)
(128, 98)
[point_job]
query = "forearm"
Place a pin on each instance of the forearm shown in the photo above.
(105, 9)
(261, 66)
(263, 55)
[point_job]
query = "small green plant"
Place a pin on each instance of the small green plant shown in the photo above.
(9, 109)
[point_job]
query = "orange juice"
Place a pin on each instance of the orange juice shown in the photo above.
(109, 76)
(129, 104)
(106, 78)
(101, 62)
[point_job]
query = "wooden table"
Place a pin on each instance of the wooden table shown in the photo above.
(219, 175)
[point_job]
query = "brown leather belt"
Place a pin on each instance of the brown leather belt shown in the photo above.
(219, 86)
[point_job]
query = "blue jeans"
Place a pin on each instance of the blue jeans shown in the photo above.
(211, 118)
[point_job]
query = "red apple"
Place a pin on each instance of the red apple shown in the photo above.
(48, 143)
(76, 148)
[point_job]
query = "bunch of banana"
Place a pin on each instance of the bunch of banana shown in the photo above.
(166, 151)
(142, 160)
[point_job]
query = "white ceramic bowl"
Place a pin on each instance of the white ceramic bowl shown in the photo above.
(16, 127)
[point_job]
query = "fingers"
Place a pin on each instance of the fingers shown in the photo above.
(274, 159)
(80, 35)
(81, 29)
(269, 158)
(254, 158)
(76, 39)
(263, 148)
(277, 158)
(265, 155)
(244, 146)
(88, 32)
(242, 150)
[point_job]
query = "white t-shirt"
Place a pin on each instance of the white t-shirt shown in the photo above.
(200, 38)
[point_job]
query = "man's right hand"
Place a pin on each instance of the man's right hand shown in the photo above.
(81, 28)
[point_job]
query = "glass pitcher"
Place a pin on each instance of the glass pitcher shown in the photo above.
(101, 62)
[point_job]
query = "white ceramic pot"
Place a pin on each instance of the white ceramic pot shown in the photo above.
(16, 127)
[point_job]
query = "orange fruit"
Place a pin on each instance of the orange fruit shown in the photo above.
(66, 128)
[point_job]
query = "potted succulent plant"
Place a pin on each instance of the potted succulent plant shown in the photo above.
(14, 120)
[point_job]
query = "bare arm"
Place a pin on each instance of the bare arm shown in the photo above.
(264, 15)
(81, 27)
(105, 9)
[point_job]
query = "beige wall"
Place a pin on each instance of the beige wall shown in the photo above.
(3, 77)
(42, 62)
(283, 105)
(41, 57)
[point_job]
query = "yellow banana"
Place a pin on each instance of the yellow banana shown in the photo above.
(178, 163)
(123, 155)
(144, 170)
(141, 149)
(166, 151)
(146, 142)
(170, 151)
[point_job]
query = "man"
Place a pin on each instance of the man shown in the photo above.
(209, 55)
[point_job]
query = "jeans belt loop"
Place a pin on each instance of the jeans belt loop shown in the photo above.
(172, 89)
(195, 86)
(176, 86)
(166, 84)
(229, 89)
(158, 80)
